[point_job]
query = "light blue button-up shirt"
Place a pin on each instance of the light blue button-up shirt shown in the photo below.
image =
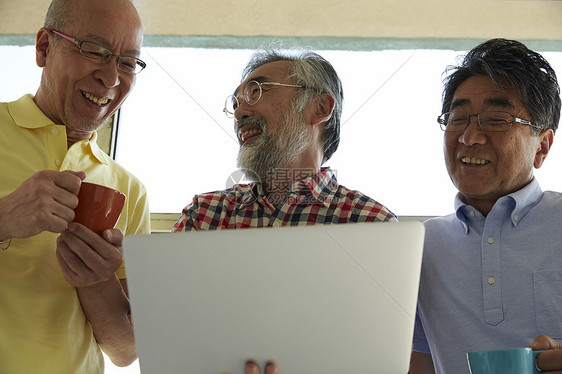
(491, 282)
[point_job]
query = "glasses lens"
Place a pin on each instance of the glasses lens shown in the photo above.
(130, 65)
(230, 106)
(495, 121)
(95, 52)
(453, 121)
(252, 92)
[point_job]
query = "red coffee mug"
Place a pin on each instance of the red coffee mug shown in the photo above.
(99, 207)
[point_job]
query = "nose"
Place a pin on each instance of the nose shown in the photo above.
(242, 111)
(108, 74)
(473, 134)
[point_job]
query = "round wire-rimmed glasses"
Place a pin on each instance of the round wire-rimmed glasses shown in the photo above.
(492, 121)
(251, 93)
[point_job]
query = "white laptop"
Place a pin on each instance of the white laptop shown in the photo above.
(313, 299)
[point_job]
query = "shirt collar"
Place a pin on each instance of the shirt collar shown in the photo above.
(90, 146)
(517, 204)
(100, 155)
(250, 193)
(319, 188)
(27, 114)
(524, 200)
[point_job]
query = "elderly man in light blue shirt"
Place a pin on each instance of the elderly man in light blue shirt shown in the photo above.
(492, 271)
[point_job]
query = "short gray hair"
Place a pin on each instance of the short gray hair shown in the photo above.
(57, 16)
(313, 71)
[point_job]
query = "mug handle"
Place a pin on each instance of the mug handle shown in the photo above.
(536, 368)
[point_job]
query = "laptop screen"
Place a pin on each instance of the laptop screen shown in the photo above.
(313, 299)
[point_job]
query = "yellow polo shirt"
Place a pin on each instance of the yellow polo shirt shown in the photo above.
(42, 326)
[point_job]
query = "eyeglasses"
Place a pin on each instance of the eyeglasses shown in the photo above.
(252, 94)
(487, 121)
(98, 53)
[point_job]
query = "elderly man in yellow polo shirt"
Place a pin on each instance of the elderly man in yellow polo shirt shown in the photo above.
(63, 294)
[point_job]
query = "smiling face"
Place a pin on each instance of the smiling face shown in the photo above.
(273, 132)
(273, 106)
(75, 91)
(485, 166)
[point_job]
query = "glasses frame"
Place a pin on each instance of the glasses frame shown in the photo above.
(107, 56)
(232, 98)
(514, 119)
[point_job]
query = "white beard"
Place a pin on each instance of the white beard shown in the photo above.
(273, 151)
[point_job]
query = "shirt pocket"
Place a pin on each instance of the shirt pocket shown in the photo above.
(548, 301)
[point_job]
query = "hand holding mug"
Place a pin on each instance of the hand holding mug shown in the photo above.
(90, 252)
(549, 361)
(44, 202)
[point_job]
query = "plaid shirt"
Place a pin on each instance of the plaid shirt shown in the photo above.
(317, 199)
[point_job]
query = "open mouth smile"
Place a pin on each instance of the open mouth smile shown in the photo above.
(249, 128)
(474, 161)
(99, 101)
(248, 134)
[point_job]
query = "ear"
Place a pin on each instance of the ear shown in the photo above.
(546, 137)
(43, 44)
(322, 108)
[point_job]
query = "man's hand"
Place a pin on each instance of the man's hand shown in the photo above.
(253, 368)
(86, 258)
(44, 202)
(551, 360)
(89, 262)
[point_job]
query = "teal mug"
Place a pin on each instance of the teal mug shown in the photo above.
(503, 361)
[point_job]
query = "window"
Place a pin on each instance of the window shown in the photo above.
(174, 136)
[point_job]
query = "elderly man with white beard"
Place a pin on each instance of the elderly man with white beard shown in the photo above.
(286, 115)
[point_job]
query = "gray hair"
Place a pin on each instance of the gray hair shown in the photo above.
(57, 16)
(527, 72)
(312, 71)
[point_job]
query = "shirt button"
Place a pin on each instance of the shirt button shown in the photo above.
(491, 280)
(491, 240)
(472, 214)
(54, 132)
(276, 224)
(58, 162)
(516, 217)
